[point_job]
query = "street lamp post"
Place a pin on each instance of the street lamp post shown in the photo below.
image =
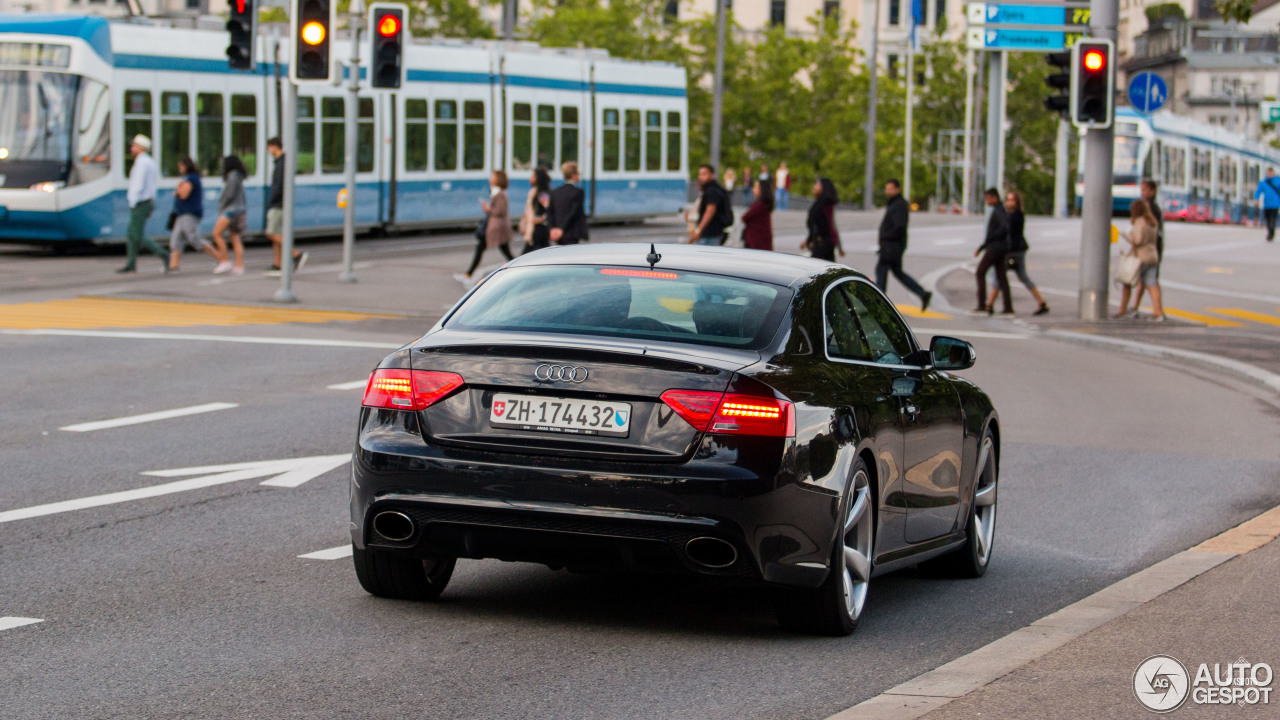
(352, 119)
(873, 71)
(717, 103)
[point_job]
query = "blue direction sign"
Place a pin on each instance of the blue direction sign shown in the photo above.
(1013, 14)
(1009, 39)
(1147, 92)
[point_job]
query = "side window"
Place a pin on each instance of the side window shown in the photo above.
(633, 140)
(568, 134)
(175, 131)
(844, 338)
(446, 135)
(473, 135)
(522, 136)
(611, 158)
(137, 120)
(653, 140)
(92, 156)
(366, 144)
(415, 135)
(209, 123)
(333, 135)
(546, 135)
(674, 154)
(886, 335)
(306, 135)
(244, 131)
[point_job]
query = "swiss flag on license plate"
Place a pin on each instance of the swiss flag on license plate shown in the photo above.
(499, 408)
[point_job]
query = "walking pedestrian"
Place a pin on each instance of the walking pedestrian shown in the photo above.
(714, 214)
(995, 254)
(1148, 189)
(533, 223)
(275, 211)
(748, 187)
(821, 231)
(232, 215)
(730, 180)
(497, 224)
(567, 216)
(783, 185)
(1269, 193)
(1018, 248)
(1142, 240)
(757, 221)
(893, 244)
(188, 210)
(141, 194)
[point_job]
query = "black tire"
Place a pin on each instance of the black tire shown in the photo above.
(401, 578)
(829, 609)
(972, 559)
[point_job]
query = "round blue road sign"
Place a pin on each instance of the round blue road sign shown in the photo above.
(1147, 92)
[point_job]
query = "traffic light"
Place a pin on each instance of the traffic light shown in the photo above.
(1092, 83)
(1060, 82)
(242, 23)
(388, 27)
(312, 25)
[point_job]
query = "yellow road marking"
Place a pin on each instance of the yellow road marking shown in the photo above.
(85, 313)
(1220, 271)
(1247, 315)
(1203, 319)
(915, 312)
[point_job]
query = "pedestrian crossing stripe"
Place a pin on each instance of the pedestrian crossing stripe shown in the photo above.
(85, 313)
(914, 312)
(1202, 319)
(1247, 315)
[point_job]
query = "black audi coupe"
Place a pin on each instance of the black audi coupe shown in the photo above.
(676, 409)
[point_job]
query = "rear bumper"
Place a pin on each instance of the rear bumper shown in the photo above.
(635, 517)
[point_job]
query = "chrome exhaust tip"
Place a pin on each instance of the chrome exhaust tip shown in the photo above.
(710, 552)
(394, 526)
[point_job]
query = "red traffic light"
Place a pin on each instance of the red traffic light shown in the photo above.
(389, 26)
(1094, 60)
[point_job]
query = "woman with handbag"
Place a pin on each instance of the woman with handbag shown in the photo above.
(821, 240)
(495, 229)
(1138, 266)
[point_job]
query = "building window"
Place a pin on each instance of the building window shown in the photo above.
(671, 13)
(778, 12)
(939, 13)
(895, 12)
(831, 9)
(892, 62)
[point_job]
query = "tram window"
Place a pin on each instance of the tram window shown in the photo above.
(306, 135)
(653, 140)
(446, 135)
(333, 135)
(521, 136)
(92, 156)
(568, 134)
(473, 135)
(366, 143)
(209, 125)
(546, 135)
(175, 131)
(674, 147)
(244, 131)
(633, 140)
(137, 120)
(415, 135)
(611, 157)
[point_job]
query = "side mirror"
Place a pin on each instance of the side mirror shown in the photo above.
(951, 354)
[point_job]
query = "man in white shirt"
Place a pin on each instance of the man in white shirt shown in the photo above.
(782, 191)
(142, 202)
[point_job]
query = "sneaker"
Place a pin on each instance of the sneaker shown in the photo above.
(1007, 312)
(273, 272)
(300, 260)
(238, 270)
(127, 269)
(1044, 310)
(463, 279)
(924, 301)
(223, 267)
(1158, 318)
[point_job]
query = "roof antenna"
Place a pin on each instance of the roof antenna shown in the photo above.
(653, 257)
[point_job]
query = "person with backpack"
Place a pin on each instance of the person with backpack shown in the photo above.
(1269, 193)
(714, 213)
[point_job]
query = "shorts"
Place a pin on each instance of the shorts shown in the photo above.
(1149, 274)
(186, 229)
(237, 221)
(275, 221)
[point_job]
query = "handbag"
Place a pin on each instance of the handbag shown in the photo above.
(482, 228)
(1127, 269)
(173, 220)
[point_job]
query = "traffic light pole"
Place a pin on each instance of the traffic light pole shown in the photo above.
(1061, 180)
(995, 118)
(1095, 229)
(290, 140)
(352, 119)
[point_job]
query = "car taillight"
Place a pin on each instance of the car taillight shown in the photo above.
(732, 413)
(398, 389)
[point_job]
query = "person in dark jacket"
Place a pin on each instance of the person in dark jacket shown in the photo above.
(821, 240)
(893, 244)
(757, 221)
(1018, 248)
(709, 226)
(188, 210)
(995, 253)
(567, 215)
(275, 211)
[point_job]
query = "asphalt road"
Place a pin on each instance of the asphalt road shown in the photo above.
(196, 604)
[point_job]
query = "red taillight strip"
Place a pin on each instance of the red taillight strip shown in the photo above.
(639, 273)
(402, 389)
(732, 413)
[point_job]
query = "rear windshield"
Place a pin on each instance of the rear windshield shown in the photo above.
(626, 302)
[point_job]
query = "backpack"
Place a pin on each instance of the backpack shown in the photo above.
(724, 210)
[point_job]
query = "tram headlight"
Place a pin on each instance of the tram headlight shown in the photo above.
(48, 186)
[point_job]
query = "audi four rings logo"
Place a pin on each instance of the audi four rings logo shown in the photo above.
(561, 373)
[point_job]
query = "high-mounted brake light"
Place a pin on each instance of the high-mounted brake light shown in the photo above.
(732, 413)
(398, 389)
(659, 274)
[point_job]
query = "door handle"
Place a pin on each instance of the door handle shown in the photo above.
(910, 410)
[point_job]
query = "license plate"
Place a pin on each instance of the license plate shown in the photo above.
(560, 415)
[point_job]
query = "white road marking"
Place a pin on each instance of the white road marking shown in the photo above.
(291, 474)
(941, 243)
(958, 333)
(337, 553)
(1214, 291)
(1212, 248)
(249, 339)
(10, 622)
(353, 385)
(148, 417)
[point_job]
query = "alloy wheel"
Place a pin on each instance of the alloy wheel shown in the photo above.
(857, 538)
(984, 501)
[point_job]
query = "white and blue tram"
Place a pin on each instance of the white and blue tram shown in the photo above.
(1206, 173)
(74, 89)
